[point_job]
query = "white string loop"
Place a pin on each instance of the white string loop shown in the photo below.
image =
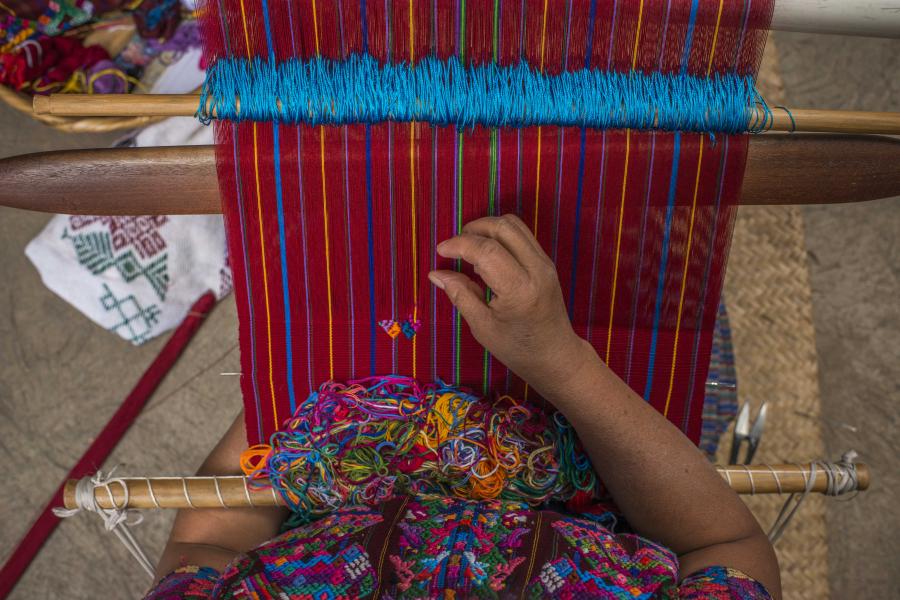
(117, 520)
(841, 478)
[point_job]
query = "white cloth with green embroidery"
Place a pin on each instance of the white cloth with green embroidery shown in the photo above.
(135, 276)
(139, 276)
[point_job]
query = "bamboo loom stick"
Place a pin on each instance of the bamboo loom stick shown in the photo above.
(185, 105)
(875, 18)
(781, 169)
(234, 492)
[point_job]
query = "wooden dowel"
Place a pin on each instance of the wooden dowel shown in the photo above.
(185, 105)
(234, 492)
(781, 169)
(845, 17)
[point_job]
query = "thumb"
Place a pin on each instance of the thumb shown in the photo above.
(464, 293)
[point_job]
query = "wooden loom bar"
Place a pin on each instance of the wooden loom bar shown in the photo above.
(201, 492)
(781, 169)
(185, 105)
(845, 17)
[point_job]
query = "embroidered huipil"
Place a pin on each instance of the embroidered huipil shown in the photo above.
(451, 548)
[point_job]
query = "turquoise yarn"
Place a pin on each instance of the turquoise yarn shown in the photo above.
(360, 89)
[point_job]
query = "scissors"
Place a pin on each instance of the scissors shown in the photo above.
(744, 431)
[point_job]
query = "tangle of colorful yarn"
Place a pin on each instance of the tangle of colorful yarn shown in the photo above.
(368, 440)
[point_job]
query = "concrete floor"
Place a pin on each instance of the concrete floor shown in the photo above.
(61, 376)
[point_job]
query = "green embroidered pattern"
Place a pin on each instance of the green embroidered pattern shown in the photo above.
(94, 250)
(134, 318)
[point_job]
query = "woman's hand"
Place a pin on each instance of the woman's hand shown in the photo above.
(524, 324)
(666, 488)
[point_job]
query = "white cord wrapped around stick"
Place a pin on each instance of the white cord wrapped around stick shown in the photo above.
(115, 519)
(841, 477)
(230, 491)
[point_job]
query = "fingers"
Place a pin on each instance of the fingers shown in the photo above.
(515, 236)
(464, 293)
(497, 267)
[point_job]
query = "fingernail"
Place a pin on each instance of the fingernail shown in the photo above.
(441, 245)
(436, 280)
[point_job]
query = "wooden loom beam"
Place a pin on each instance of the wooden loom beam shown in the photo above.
(232, 491)
(185, 105)
(781, 169)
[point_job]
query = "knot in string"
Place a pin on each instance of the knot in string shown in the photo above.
(116, 520)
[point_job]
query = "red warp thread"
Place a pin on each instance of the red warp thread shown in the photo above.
(332, 230)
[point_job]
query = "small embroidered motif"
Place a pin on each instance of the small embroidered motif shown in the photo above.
(139, 321)
(408, 328)
(392, 328)
(94, 250)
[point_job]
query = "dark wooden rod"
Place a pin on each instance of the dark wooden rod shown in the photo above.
(781, 169)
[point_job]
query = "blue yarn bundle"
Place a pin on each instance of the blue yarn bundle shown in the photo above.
(360, 89)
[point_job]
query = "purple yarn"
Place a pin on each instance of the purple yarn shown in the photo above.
(108, 83)
(187, 36)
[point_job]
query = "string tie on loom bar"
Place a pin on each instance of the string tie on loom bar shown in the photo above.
(115, 520)
(841, 477)
(360, 89)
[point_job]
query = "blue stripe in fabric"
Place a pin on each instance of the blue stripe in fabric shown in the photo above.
(373, 325)
(285, 286)
(394, 314)
(664, 257)
(576, 238)
(321, 91)
(351, 295)
(689, 36)
(282, 237)
(365, 25)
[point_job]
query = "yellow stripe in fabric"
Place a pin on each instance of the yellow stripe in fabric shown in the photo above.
(612, 297)
(412, 52)
(262, 251)
(687, 260)
(325, 221)
(690, 239)
(712, 51)
(637, 37)
(537, 181)
(315, 24)
(262, 241)
(327, 256)
(246, 33)
(412, 197)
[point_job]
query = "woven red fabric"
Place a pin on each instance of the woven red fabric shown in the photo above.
(332, 229)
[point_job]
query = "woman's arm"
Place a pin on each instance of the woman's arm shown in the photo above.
(213, 537)
(663, 484)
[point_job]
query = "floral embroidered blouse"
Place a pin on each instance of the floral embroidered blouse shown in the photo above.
(450, 548)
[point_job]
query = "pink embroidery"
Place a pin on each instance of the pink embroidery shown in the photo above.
(404, 572)
(497, 581)
(141, 233)
(408, 328)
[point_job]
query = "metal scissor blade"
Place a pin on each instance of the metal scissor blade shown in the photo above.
(741, 432)
(756, 431)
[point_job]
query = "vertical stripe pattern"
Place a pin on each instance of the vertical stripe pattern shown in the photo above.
(332, 229)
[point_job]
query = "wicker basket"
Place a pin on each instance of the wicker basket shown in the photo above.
(22, 103)
(91, 34)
